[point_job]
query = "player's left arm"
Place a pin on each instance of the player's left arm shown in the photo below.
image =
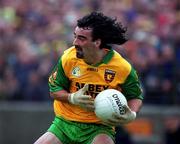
(135, 105)
(132, 90)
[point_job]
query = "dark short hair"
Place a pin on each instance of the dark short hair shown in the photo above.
(108, 29)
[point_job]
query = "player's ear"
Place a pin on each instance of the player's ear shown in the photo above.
(97, 42)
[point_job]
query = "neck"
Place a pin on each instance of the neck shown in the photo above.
(95, 57)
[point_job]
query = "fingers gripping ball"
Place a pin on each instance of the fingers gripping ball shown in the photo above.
(108, 102)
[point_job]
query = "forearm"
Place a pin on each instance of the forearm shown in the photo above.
(135, 104)
(60, 95)
(76, 98)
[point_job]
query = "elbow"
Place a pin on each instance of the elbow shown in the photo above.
(51, 94)
(135, 104)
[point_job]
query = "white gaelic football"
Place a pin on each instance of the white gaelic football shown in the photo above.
(108, 102)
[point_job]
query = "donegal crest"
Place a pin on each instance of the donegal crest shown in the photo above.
(109, 75)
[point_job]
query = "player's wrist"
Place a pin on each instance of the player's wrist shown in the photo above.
(71, 98)
(133, 115)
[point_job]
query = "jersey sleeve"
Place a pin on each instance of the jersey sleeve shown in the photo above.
(131, 88)
(58, 80)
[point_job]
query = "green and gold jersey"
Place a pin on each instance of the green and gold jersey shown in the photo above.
(71, 74)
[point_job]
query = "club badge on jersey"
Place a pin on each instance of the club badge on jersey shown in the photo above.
(109, 75)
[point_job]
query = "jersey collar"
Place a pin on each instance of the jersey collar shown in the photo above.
(107, 58)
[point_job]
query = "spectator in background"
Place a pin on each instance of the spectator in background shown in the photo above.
(36, 89)
(172, 130)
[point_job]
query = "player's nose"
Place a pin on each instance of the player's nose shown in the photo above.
(75, 41)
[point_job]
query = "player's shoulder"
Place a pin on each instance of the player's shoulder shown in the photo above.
(69, 58)
(120, 60)
(68, 54)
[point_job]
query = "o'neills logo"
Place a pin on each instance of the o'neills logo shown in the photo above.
(120, 105)
(109, 75)
(76, 72)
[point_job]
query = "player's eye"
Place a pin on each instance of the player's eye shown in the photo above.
(75, 36)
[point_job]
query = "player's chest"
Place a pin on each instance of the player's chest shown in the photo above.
(105, 74)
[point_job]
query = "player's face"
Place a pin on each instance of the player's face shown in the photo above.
(83, 42)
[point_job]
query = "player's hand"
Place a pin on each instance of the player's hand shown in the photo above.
(117, 120)
(79, 98)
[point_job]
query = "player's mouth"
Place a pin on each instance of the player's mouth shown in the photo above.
(79, 51)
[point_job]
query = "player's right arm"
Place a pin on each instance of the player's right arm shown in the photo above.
(61, 95)
(59, 83)
(77, 98)
(59, 89)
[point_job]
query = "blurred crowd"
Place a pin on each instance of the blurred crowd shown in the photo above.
(34, 33)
